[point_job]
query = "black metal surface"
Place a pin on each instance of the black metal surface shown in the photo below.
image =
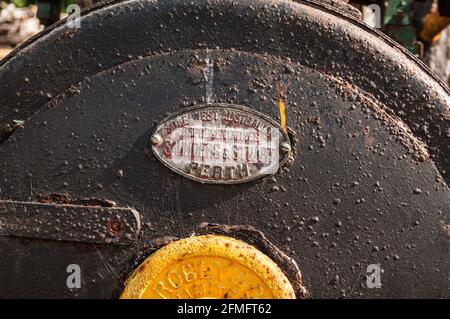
(347, 49)
(102, 225)
(444, 8)
(361, 189)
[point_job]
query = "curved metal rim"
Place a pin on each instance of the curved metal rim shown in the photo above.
(311, 3)
(423, 78)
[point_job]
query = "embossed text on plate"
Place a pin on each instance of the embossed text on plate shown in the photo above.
(220, 144)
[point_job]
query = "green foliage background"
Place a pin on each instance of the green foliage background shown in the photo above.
(25, 3)
(20, 3)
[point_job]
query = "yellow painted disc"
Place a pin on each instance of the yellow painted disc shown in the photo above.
(208, 266)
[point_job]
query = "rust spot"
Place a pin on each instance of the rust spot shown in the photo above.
(141, 269)
(66, 35)
(115, 226)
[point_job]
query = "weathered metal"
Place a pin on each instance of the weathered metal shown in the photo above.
(208, 266)
(87, 224)
(221, 144)
(368, 125)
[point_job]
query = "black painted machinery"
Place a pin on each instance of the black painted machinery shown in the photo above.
(222, 149)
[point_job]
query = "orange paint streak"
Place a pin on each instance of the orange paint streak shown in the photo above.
(282, 107)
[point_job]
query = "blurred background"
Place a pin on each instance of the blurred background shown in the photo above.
(421, 26)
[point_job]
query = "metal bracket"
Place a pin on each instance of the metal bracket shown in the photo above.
(87, 224)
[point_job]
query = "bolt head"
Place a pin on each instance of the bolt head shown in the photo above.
(115, 226)
(156, 139)
(285, 147)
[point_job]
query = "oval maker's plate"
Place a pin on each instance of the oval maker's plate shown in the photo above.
(221, 144)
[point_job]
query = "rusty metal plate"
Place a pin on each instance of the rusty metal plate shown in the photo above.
(221, 144)
(89, 224)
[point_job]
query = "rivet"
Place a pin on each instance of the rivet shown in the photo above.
(285, 147)
(156, 139)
